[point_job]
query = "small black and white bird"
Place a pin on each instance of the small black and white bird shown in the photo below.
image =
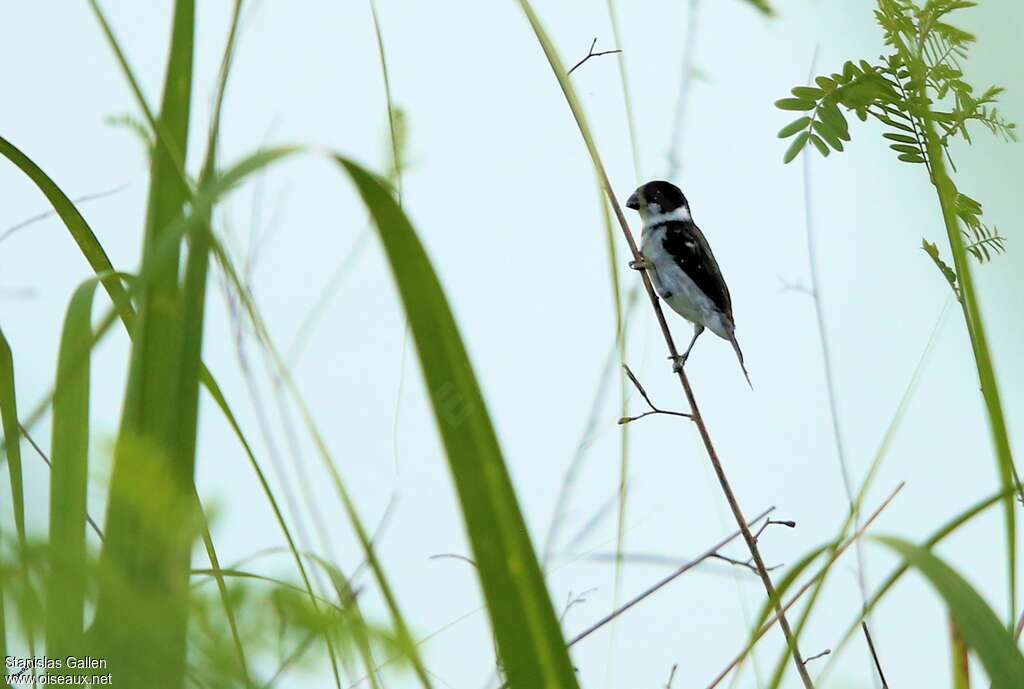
(682, 268)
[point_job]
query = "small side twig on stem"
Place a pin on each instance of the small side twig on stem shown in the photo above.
(786, 522)
(590, 54)
(818, 655)
(742, 563)
(572, 601)
(654, 409)
(671, 676)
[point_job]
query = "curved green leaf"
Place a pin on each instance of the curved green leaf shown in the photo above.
(975, 620)
(532, 648)
(12, 435)
(65, 599)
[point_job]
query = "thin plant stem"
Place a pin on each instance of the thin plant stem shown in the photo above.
(627, 98)
(685, 85)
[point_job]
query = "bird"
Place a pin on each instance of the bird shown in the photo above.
(682, 268)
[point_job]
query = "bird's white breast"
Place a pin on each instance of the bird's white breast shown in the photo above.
(676, 288)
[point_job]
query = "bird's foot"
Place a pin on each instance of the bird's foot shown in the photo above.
(642, 264)
(678, 362)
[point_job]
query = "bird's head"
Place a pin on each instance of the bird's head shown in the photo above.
(659, 198)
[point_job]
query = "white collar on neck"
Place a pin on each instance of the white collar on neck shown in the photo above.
(680, 214)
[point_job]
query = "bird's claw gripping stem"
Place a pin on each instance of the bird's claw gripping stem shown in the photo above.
(678, 362)
(642, 264)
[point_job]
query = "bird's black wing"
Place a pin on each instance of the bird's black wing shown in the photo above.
(686, 244)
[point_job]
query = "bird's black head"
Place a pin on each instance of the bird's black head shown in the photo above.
(658, 198)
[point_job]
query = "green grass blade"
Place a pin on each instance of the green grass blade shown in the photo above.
(69, 456)
(12, 435)
(947, 194)
(150, 516)
(12, 452)
(977, 623)
(532, 648)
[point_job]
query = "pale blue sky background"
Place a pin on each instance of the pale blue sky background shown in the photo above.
(503, 195)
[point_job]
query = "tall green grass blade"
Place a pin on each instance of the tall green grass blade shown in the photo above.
(150, 516)
(12, 436)
(982, 356)
(532, 649)
(12, 452)
(977, 623)
(69, 458)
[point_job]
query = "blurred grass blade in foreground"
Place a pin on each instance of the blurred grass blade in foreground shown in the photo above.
(974, 619)
(533, 652)
(141, 616)
(65, 598)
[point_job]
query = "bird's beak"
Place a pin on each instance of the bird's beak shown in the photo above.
(633, 202)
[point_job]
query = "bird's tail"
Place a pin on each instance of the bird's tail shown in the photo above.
(739, 355)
